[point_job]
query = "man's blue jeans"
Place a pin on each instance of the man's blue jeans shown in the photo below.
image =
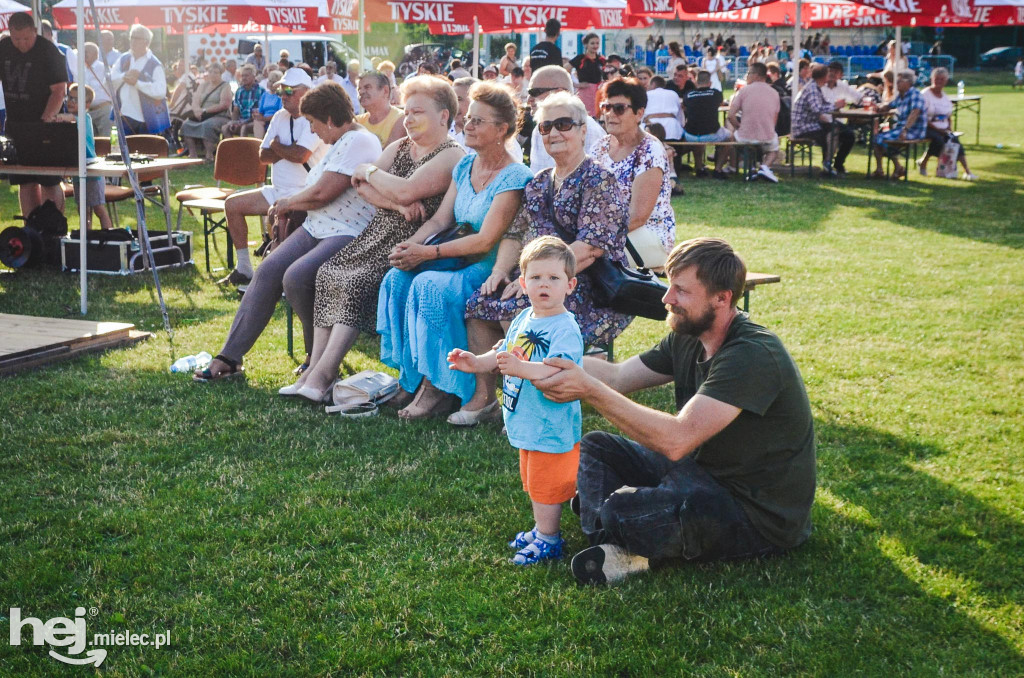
(669, 510)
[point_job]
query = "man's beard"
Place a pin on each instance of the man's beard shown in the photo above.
(681, 323)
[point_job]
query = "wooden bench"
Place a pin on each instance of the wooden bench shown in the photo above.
(754, 280)
(750, 150)
(806, 149)
(903, 147)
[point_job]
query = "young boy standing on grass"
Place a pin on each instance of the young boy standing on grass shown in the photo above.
(546, 433)
(95, 197)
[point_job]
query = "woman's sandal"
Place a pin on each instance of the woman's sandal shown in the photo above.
(443, 405)
(234, 369)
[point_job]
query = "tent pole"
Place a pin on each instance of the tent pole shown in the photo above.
(476, 47)
(83, 204)
(899, 51)
(797, 54)
(362, 33)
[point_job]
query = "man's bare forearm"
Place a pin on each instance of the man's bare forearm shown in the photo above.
(657, 431)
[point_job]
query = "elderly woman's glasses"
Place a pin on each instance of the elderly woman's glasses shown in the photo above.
(561, 124)
(473, 121)
(617, 109)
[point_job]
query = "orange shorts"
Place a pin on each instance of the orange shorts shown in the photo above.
(549, 478)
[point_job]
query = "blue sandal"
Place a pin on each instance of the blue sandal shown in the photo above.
(537, 551)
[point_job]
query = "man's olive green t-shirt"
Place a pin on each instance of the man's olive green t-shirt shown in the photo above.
(765, 457)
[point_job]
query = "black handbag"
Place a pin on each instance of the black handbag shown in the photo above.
(615, 285)
(449, 263)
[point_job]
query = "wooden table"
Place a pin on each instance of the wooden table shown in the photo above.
(968, 103)
(114, 170)
(861, 116)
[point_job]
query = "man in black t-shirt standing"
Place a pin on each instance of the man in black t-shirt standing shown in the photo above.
(700, 105)
(35, 77)
(732, 474)
(546, 52)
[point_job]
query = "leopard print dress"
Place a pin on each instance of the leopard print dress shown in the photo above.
(348, 283)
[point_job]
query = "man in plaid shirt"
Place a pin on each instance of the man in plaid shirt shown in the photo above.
(246, 98)
(911, 124)
(812, 116)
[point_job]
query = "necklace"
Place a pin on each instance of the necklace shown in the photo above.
(490, 174)
(558, 180)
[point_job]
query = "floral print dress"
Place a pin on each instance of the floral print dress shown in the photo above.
(589, 204)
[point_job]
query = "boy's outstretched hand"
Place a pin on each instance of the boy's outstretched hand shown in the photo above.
(510, 365)
(463, 361)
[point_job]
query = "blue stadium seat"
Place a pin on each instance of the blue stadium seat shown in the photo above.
(744, 52)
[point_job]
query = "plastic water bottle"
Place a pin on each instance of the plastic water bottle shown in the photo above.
(190, 363)
(960, 88)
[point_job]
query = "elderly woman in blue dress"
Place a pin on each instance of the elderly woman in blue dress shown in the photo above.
(419, 312)
(578, 201)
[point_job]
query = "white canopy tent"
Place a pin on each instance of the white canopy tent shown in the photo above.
(293, 14)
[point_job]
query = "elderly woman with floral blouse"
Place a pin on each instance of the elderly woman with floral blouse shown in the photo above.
(638, 161)
(576, 200)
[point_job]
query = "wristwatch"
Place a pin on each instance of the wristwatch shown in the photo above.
(370, 170)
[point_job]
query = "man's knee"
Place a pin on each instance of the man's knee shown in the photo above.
(246, 204)
(596, 444)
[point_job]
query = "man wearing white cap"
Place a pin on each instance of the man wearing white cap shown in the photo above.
(292, 148)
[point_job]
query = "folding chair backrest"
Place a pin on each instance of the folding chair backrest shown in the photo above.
(238, 162)
(150, 144)
(102, 146)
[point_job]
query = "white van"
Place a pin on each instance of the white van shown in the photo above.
(315, 49)
(312, 48)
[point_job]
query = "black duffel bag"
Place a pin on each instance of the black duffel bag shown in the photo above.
(614, 284)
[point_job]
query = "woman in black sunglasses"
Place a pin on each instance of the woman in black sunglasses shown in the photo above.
(577, 201)
(640, 164)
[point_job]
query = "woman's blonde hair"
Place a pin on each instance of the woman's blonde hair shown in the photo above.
(438, 89)
(386, 66)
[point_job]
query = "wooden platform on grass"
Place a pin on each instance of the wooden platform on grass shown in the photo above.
(28, 341)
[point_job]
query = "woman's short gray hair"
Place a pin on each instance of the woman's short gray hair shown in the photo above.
(907, 76)
(940, 70)
(138, 30)
(577, 110)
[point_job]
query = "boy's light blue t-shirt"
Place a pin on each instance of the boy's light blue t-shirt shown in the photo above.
(532, 421)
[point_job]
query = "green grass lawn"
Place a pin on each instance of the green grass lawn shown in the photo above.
(273, 540)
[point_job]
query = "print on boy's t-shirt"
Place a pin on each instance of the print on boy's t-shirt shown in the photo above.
(527, 344)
